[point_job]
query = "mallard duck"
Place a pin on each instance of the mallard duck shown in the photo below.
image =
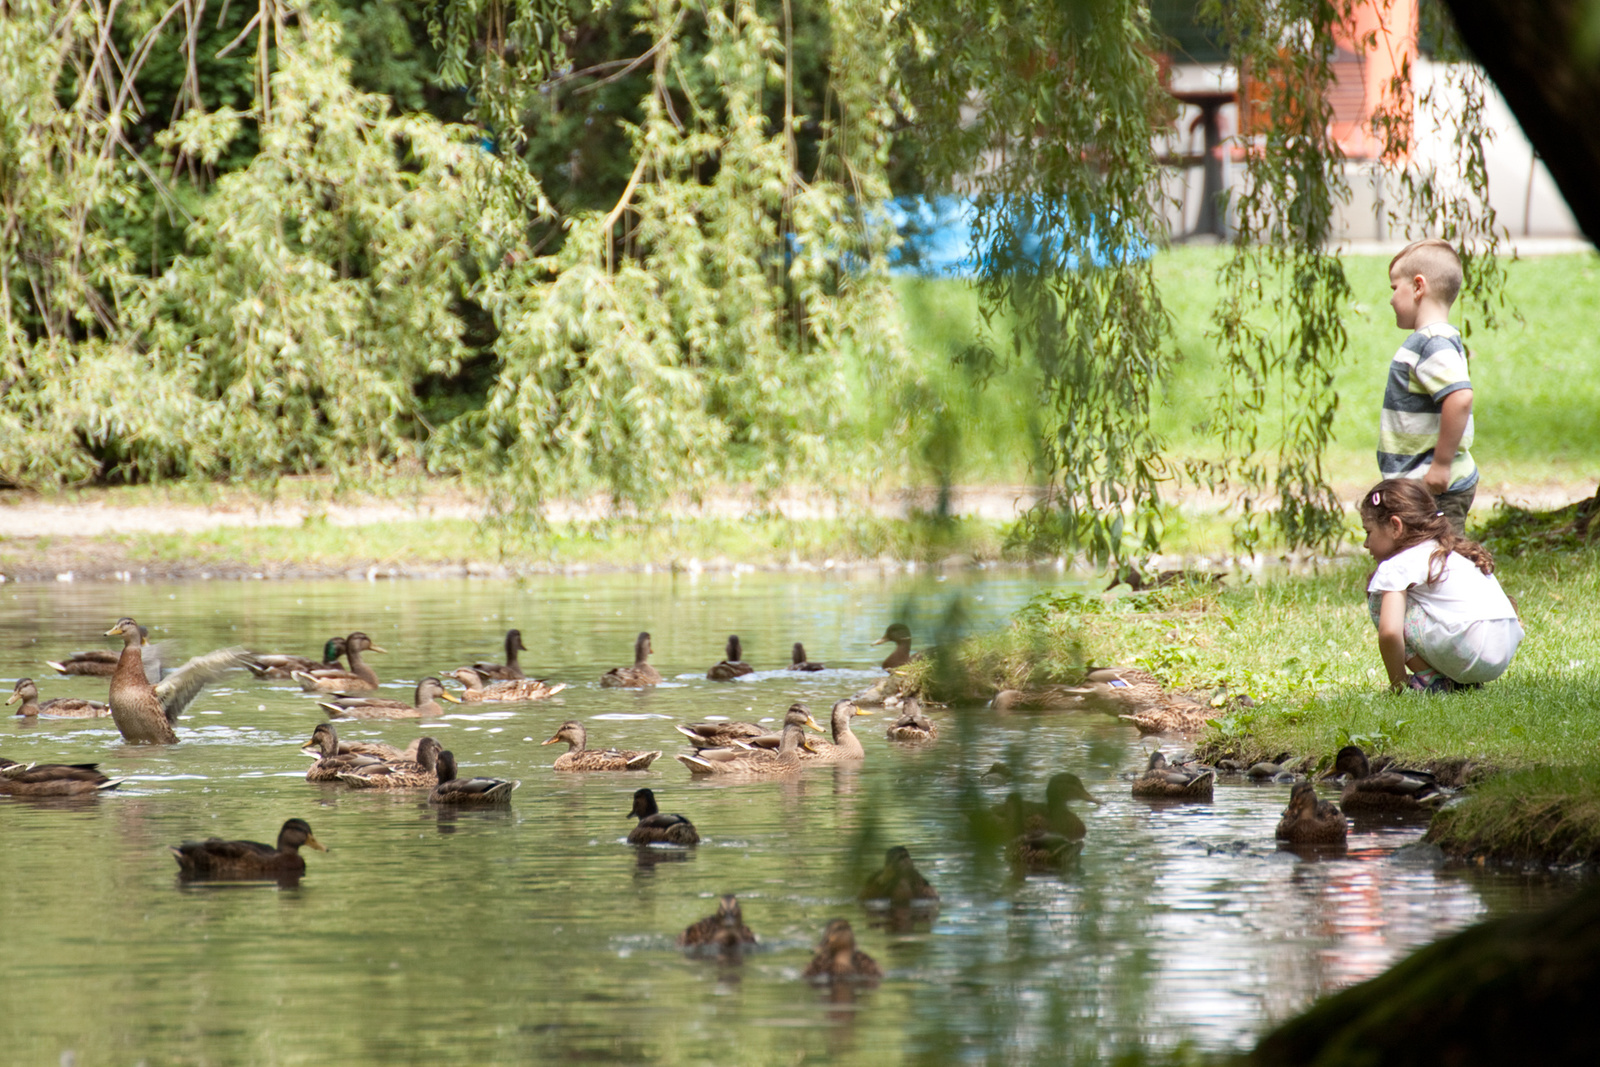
(420, 773)
(1309, 821)
(912, 725)
(514, 691)
(1391, 789)
(424, 705)
(510, 670)
(656, 826)
(145, 712)
(332, 762)
(284, 665)
(838, 959)
(720, 734)
(1171, 714)
(453, 790)
(900, 634)
(898, 881)
(724, 933)
(1039, 848)
(53, 779)
(798, 661)
(57, 708)
(102, 662)
(639, 676)
(326, 731)
(732, 665)
(1042, 698)
(846, 746)
(216, 858)
(1161, 780)
(580, 757)
(1011, 815)
(756, 762)
(360, 678)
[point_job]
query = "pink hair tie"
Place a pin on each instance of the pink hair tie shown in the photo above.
(1377, 498)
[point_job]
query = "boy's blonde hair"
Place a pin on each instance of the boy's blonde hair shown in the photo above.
(1436, 261)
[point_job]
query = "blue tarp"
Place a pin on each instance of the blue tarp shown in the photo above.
(937, 235)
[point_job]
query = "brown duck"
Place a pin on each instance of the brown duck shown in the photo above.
(1391, 789)
(639, 676)
(1161, 780)
(468, 791)
(325, 731)
(846, 746)
(58, 707)
(580, 757)
(912, 725)
(756, 762)
(420, 773)
(144, 713)
(53, 779)
(900, 634)
(360, 678)
(514, 691)
(656, 827)
(285, 665)
(424, 704)
(332, 761)
(1309, 821)
(732, 665)
(798, 661)
(723, 933)
(899, 882)
(510, 670)
(838, 959)
(216, 858)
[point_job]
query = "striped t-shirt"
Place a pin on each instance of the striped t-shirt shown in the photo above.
(1430, 366)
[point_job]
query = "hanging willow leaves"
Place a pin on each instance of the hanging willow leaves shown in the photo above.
(1045, 112)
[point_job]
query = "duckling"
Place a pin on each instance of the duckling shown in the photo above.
(846, 746)
(57, 707)
(912, 725)
(1309, 821)
(799, 662)
(477, 791)
(1391, 789)
(102, 662)
(145, 712)
(326, 731)
(657, 827)
(756, 762)
(53, 779)
(579, 757)
(425, 704)
(510, 670)
(723, 933)
(360, 678)
(284, 665)
(898, 881)
(516, 690)
(420, 773)
(639, 676)
(331, 762)
(838, 959)
(732, 665)
(216, 858)
(1161, 780)
(900, 634)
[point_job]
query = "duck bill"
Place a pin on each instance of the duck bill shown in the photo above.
(375, 648)
(12, 699)
(451, 697)
(552, 741)
(881, 641)
(860, 711)
(815, 725)
(312, 842)
(114, 631)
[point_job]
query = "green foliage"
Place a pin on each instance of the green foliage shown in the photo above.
(1534, 814)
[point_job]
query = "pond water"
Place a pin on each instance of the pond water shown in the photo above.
(535, 933)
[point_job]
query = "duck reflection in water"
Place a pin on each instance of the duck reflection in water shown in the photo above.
(897, 896)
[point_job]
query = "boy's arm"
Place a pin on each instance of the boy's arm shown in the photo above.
(1454, 411)
(1392, 638)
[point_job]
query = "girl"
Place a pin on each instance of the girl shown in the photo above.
(1437, 605)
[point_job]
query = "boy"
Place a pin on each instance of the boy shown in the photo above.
(1426, 428)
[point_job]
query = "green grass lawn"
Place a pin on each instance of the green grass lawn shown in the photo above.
(1536, 377)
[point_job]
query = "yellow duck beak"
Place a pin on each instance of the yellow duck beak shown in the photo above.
(552, 741)
(114, 631)
(451, 697)
(859, 711)
(12, 699)
(374, 648)
(814, 725)
(318, 845)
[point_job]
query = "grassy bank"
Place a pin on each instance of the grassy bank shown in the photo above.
(1532, 815)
